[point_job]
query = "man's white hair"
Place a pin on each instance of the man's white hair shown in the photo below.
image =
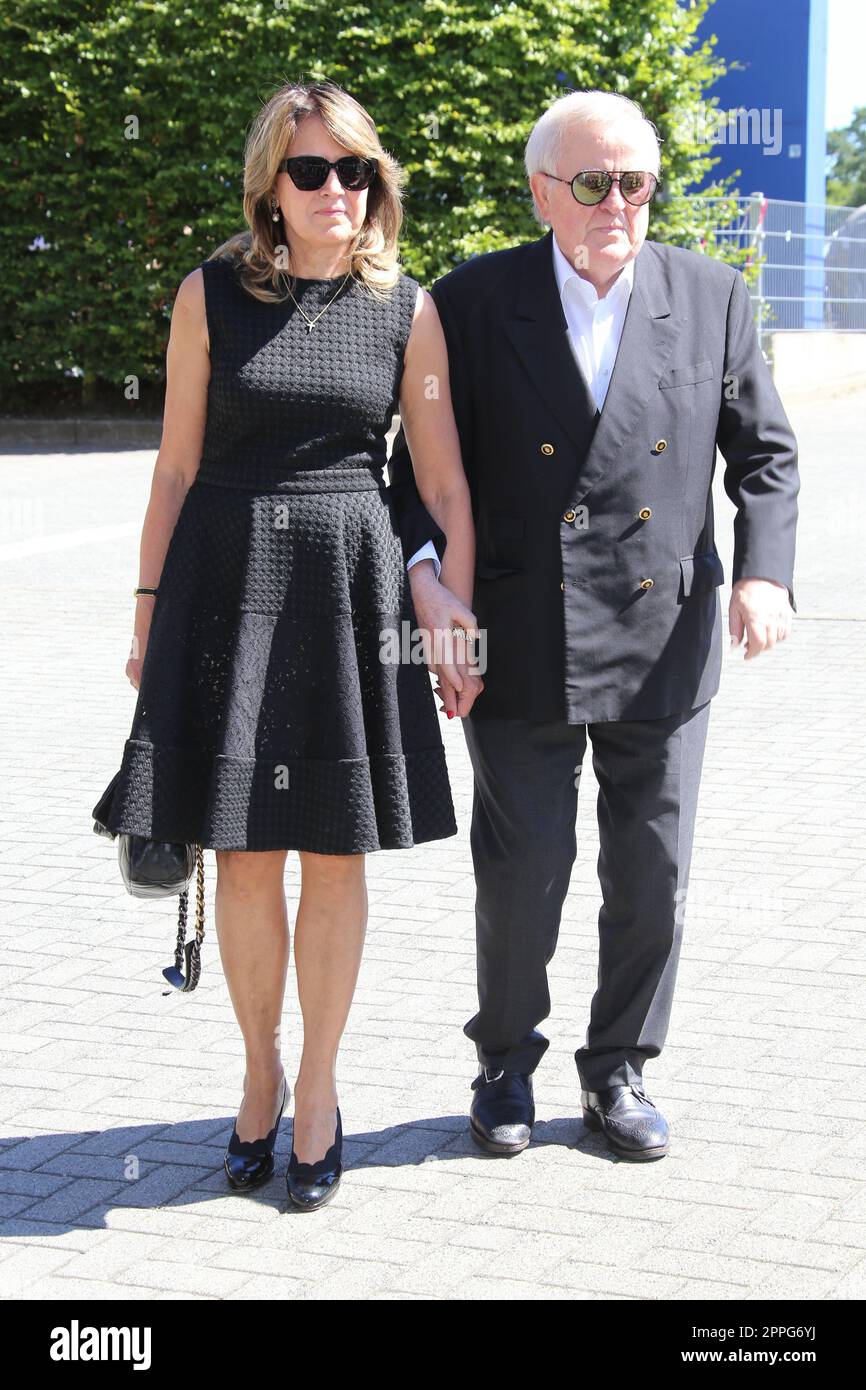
(591, 109)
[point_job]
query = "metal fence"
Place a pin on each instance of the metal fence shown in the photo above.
(812, 263)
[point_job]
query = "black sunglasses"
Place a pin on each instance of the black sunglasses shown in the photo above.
(309, 171)
(592, 186)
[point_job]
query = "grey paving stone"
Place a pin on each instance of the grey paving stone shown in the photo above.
(763, 1192)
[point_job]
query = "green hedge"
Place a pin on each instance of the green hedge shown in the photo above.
(100, 228)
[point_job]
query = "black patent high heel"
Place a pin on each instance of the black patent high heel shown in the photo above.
(250, 1162)
(311, 1185)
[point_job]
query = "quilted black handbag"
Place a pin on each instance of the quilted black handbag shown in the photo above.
(161, 869)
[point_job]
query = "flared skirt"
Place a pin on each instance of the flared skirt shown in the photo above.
(284, 702)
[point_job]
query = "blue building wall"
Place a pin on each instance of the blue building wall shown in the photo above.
(781, 46)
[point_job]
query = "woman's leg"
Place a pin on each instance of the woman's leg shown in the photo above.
(329, 939)
(253, 933)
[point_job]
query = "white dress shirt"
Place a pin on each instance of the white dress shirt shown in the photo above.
(594, 325)
(594, 330)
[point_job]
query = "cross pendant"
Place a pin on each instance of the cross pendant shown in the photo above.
(309, 328)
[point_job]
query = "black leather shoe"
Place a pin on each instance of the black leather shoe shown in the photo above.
(632, 1125)
(249, 1163)
(311, 1185)
(502, 1111)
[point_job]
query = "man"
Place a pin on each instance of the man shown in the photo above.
(593, 374)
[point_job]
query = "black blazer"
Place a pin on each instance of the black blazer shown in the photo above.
(597, 572)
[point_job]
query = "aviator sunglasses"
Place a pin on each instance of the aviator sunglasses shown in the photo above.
(592, 186)
(309, 171)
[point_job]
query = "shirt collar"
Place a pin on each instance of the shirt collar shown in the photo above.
(565, 272)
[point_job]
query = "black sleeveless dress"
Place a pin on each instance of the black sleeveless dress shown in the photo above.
(279, 704)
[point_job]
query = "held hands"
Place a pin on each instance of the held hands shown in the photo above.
(459, 701)
(447, 657)
(760, 608)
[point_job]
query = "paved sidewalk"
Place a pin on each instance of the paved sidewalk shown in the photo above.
(119, 1100)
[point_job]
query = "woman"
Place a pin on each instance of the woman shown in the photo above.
(268, 718)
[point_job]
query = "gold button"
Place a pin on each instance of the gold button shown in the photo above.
(547, 448)
(562, 585)
(647, 583)
(660, 446)
(569, 516)
(645, 513)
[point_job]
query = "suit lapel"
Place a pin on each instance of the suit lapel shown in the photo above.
(538, 331)
(648, 336)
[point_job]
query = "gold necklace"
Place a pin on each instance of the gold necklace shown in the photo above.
(310, 322)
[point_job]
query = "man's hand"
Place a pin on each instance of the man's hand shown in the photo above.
(761, 609)
(438, 610)
(459, 701)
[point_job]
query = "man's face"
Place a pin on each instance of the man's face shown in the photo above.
(327, 216)
(599, 240)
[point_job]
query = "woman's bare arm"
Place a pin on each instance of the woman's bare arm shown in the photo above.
(187, 376)
(431, 434)
(427, 417)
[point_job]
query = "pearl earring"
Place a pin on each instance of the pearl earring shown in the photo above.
(275, 216)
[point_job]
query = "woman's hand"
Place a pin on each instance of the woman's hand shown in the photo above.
(133, 667)
(438, 610)
(138, 646)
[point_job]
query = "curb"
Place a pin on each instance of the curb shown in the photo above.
(66, 435)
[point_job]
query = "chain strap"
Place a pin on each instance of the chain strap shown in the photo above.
(188, 953)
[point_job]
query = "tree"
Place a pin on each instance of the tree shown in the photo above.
(846, 162)
(122, 167)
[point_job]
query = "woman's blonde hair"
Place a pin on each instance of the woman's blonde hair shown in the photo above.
(263, 257)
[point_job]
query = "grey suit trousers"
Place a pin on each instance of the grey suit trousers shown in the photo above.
(523, 842)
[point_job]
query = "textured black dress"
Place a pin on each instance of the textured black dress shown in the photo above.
(279, 707)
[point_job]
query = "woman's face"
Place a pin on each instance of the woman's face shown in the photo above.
(329, 216)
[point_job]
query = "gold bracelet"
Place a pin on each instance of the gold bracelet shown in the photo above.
(139, 590)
